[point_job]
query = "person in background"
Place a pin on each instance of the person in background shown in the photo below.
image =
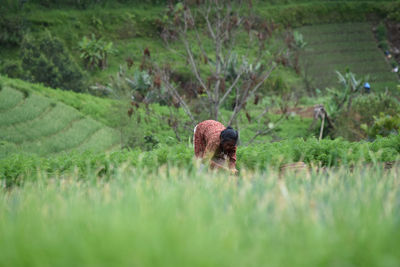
(367, 88)
(216, 143)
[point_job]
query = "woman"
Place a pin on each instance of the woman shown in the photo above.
(213, 141)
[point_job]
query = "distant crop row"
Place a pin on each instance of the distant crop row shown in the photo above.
(357, 67)
(95, 107)
(337, 58)
(339, 38)
(335, 28)
(20, 167)
(33, 107)
(53, 122)
(39, 125)
(9, 98)
(343, 47)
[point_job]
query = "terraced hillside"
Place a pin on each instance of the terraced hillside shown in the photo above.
(333, 47)
(37, 124)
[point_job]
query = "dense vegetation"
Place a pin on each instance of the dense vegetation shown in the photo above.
(176, 217)
(17, 169)
(98, 100)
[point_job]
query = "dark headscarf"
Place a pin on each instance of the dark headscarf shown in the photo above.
(229, 135)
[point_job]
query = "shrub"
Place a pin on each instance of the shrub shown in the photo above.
(13, 69)
(368, 106)
(383, 125)
(95, 52)
(12, 30)
(352, 124)
(46, 60)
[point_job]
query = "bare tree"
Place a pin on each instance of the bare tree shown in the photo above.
(210, 33)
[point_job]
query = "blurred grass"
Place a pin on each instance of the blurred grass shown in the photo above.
(181, 217)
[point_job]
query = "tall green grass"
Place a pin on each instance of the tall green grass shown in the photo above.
(181, 217)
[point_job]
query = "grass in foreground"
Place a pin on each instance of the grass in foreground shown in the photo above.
(177, 217)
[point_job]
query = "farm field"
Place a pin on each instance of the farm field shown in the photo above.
(352, 46)
(178, 217)
(41, 125)
(99, 102)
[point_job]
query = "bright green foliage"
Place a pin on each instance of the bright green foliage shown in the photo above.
(299, 40)
(95, 52)
(384, 125)
(46, 60)
(182, 217)
(19, 168)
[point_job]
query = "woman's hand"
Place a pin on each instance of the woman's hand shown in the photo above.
(214, 164)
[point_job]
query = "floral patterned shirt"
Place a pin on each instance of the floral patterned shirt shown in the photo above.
(207, 141)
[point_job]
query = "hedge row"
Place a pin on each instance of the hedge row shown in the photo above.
(17, 168)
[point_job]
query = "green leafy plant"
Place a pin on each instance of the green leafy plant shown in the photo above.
(341, 99)
(95, 52)
(383, 125)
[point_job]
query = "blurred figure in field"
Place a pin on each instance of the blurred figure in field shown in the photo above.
(216, 143)
(367, 88)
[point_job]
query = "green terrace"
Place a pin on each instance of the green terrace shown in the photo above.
(338, 47)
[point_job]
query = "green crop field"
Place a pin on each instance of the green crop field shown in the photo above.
(332, 47)
(180, 217)
(41, 125)
(100, 170)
